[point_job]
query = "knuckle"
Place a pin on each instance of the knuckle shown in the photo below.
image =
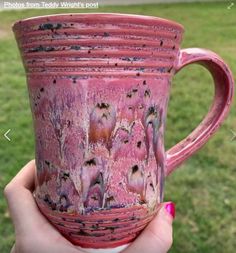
(8, 190)
(169, 241)
(164, 240)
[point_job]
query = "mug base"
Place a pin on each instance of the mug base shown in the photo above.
(110, 250)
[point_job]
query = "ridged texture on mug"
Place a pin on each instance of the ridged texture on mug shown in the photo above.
(100, 45)
(100, 228)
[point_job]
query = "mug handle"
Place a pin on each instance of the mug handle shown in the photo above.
(224, 89)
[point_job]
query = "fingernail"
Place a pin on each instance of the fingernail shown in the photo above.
(170, 208)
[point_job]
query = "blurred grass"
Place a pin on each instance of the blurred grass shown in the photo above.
(204, 187)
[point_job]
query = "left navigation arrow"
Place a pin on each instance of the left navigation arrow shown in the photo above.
(5, 135)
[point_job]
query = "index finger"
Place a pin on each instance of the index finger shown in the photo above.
(22, 206)
(25, 177)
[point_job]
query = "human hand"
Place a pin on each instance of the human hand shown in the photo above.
(34, 234)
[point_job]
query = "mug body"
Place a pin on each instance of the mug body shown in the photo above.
(99, 87)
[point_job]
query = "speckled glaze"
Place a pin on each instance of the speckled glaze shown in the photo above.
(99, 86)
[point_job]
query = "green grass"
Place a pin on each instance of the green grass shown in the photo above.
(204, 187)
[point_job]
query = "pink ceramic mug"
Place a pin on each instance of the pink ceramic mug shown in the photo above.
(99, 87)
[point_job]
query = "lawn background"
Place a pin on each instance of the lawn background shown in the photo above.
(204, 188)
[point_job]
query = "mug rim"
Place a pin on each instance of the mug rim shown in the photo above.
(149, 20)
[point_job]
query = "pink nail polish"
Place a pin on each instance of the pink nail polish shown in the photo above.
(170, 208)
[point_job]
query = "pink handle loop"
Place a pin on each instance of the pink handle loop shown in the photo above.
(224, 89)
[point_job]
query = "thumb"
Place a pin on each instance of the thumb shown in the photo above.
(157, 236)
